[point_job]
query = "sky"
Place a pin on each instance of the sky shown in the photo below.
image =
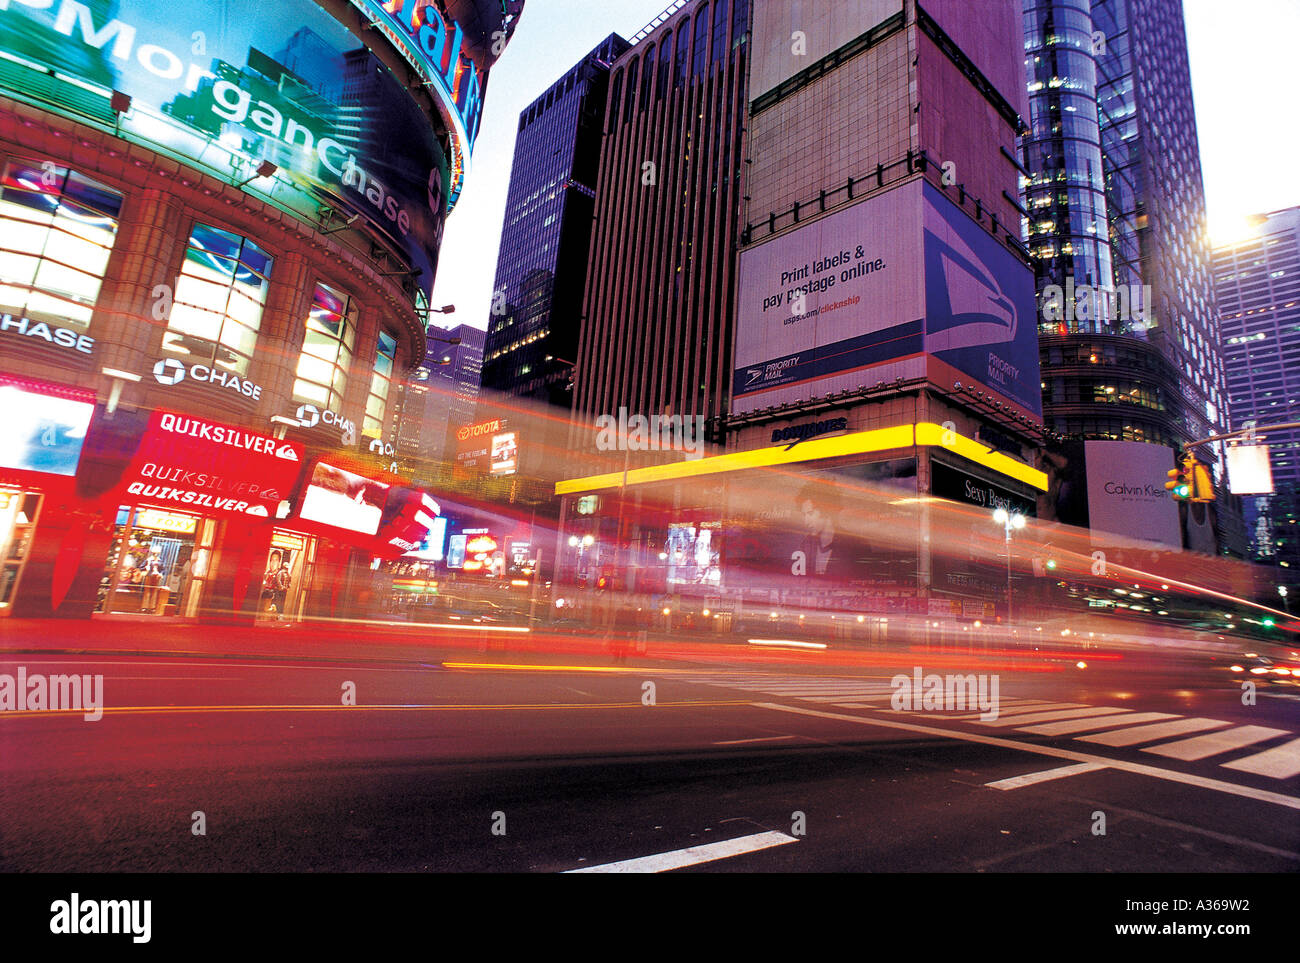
(1242, 55)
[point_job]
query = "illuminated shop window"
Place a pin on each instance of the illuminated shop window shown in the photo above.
(56, 231)
(219, 299)
(327, 349)
(385, 361)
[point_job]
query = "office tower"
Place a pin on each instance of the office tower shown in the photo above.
(532, 338)
(1257, 286)
(659, 297)
(1115, 217)
(440, 395)
(881, 329)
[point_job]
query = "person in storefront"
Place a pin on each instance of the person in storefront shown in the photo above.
(280, 589)
(154, 577)
(269, 581)
(184, 578)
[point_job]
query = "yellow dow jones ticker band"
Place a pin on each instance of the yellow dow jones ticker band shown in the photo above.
(856, 443)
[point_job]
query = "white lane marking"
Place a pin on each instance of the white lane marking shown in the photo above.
(1033, 778)
(1087, 712)
(1131, 737)
(1218, 785)
(1211, 744)
(1024, 709)
(1280, 762)
(692, 855)
(820, 690)
(741, 742)
(1105, 722)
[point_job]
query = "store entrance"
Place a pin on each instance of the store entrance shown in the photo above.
(287, 573)
(17, 521)
(154, 565)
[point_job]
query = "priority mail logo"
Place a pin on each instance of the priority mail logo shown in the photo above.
(753, 374)
(169, 371)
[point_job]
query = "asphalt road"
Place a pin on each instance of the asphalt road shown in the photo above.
(460, 761)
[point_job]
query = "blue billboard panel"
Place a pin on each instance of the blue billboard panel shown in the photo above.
(979, 305)
(42, 432)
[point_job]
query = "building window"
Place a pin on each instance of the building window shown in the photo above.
(647, 82)
(56, 231)
(739, 23)
(377, 403)
(719, 31)
(220, 294)
(616, 92)
(629, 103)
(326, 349)
(701, 40)
(665, 64)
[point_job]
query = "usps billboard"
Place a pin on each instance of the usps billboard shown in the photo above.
(902, 285)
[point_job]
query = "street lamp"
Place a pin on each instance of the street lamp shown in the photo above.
(1009, 521)
(1281, 590)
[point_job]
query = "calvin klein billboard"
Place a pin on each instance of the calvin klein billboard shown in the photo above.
(227, 84)
(903, 285)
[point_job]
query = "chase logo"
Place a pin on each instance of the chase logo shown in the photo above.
(308, 416)
(169, 371)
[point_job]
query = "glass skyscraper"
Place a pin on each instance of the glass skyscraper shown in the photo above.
(532, 338)
(1257, 284)
(1115, 218)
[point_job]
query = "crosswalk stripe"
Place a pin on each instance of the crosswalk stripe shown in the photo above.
(1132, 736)
(1033, 778)
(861, 704)
(1280, 762)
(1086, 711)
(1104, 722)
(1211, 744)
(1024, 710)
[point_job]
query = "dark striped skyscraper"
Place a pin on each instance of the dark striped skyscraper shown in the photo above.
(542, 265)
(655, 335)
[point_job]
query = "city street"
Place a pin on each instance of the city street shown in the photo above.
(518, 760)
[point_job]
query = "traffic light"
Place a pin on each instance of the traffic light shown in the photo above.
(1191, 482)
(1202, 480)
(1179, 483)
